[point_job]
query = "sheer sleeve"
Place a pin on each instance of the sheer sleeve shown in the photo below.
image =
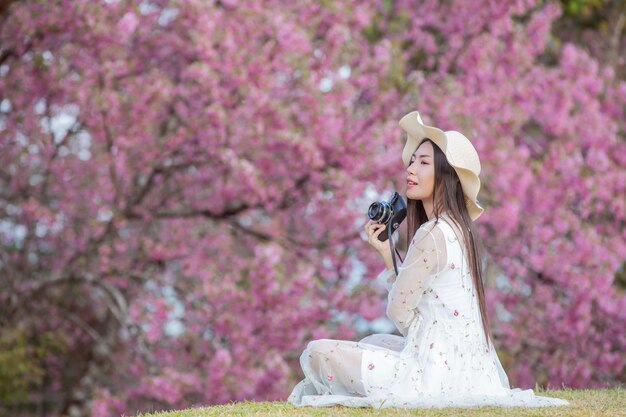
(425, 258)
(386, 277)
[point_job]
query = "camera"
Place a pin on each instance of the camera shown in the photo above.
(391, 212)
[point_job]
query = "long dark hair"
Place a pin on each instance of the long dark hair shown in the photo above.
(448, 196)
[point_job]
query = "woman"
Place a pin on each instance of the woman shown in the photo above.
(445, 356)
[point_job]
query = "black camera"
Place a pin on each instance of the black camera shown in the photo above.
(391, 212)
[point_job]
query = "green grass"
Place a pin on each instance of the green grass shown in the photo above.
(582, 403)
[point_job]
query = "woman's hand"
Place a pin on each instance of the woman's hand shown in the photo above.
(373, 229)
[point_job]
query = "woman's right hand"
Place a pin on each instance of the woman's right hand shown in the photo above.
(373, 229)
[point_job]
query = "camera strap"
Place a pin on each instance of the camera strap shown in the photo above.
(392, 248)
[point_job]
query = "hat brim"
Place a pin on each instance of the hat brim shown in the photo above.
(473, 208)
(471, 186)
(416, 132)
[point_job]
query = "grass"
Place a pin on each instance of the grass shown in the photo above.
(610, 402)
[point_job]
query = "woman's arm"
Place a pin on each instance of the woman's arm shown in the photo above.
(387, 277)
(425, 258)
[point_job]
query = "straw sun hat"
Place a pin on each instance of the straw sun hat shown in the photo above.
(459, 152)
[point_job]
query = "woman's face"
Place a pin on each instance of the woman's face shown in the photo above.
(421, 173)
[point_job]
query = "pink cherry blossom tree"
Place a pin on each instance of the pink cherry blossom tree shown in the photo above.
(191, 166)
(183, 185)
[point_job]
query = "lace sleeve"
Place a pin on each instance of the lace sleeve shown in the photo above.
(425, 258)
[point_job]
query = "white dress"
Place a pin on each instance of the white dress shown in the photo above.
(442, 358)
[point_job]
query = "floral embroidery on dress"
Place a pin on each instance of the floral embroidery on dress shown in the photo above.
(370, 366)
(456, 313)
(329, 377)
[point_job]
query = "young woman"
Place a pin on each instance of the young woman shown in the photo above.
(445, 355)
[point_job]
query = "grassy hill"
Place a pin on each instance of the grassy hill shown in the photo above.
(609, 403)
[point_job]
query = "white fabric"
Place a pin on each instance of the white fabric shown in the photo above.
(442, 358)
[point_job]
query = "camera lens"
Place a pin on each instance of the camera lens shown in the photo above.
(379, 212)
